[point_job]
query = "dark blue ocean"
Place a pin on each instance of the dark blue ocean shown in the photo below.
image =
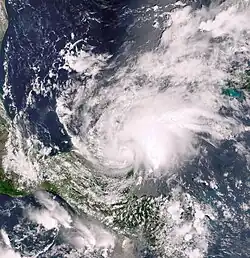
(38, 30)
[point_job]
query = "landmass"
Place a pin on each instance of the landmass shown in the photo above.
(70, 185)
(82, 188)
(6, 185)
(3, 20)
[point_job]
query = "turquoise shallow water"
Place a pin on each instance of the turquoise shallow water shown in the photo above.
(38, 31)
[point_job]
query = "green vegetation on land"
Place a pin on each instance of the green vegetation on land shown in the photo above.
(48, 186)
(7, 187)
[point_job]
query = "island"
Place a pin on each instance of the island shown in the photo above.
(71, 177)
